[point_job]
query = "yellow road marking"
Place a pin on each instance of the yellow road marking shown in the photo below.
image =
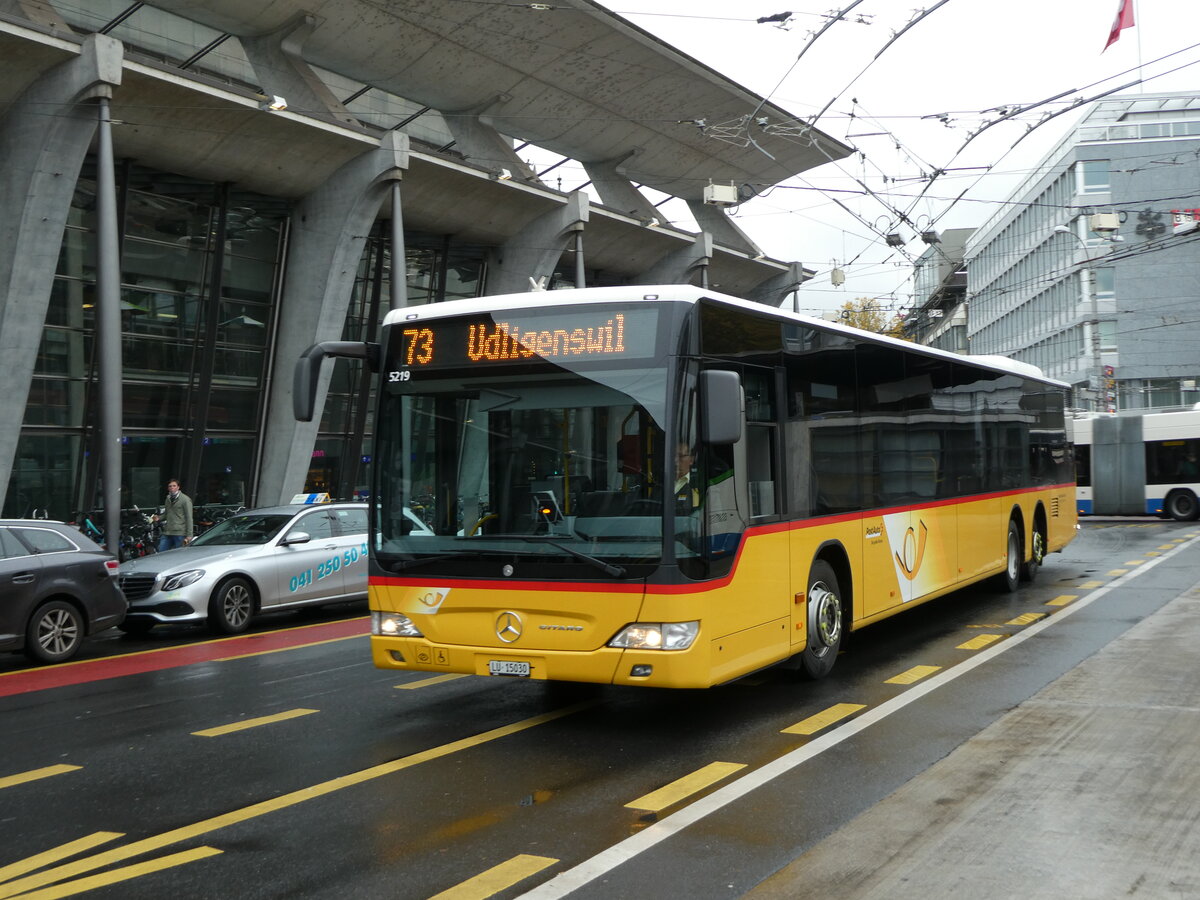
(348, 637)
(116, 876)
(824, 719)
(1153, 553)
(497, 878)
(682, 788)
(1026, 619)
(428, 682)
(254, 723)
(980, 641)
(1166, 547)
(1116, 572)
(35, 774)
(1089, 585)
(1134, 562)
(187, 832)
(62, 851)
(913, 675)
(1062, 600)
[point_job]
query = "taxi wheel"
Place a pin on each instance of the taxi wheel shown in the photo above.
(231, 606)
(55, 632)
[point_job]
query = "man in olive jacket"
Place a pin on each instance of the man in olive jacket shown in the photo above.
(176, 518)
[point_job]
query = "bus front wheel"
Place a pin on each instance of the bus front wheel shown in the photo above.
(1182, 506)
(823, 612)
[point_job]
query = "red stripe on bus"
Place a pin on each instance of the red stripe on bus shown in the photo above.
(693, 586)
(25, 681)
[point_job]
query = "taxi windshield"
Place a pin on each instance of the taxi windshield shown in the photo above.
(244, 529)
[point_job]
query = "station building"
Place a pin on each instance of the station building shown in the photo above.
(242, 173)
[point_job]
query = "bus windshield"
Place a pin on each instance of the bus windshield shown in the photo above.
(563, 468)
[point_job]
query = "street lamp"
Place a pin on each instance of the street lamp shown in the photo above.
(1089, 290)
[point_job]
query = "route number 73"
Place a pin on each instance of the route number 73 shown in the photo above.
(420, 346)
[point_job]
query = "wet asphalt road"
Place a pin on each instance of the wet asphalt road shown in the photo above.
(344, 781)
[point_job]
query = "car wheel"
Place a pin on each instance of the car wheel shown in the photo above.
(231, 606)
(54, 633)
(825, 623)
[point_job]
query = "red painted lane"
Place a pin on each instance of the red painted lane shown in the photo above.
(26, 680)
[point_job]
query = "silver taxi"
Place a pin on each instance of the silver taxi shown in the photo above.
(274, 558)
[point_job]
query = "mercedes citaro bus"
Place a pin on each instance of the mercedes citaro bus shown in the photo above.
(666, 486)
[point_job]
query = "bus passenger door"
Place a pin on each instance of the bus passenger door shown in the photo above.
(889, 540)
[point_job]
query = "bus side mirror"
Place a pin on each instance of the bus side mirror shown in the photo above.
(723, 406)
(308, 370)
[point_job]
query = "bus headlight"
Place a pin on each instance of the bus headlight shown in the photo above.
(385, 624)
(656, 636)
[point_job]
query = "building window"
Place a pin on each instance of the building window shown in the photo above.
(1091, 176)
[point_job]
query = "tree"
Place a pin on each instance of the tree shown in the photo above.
(868, 314)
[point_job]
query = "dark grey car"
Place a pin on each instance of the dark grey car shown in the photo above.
(56, 587)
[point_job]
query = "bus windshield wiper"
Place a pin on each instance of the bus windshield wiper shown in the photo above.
(606, 568)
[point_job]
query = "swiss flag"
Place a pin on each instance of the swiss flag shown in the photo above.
(1123, 20)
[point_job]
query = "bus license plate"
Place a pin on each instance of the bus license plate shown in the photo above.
(508, 667)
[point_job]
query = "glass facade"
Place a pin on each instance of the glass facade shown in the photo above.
(201, 275)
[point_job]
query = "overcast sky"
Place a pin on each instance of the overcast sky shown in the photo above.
(928, 92)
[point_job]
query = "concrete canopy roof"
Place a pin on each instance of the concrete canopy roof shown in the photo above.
(574, 79)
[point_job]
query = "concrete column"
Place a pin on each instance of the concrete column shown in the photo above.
(723, 229)
(44, 137)
(679, 266)
(775, 289)
(617, 191)
(479, 141)
(282, 71)
(530, 257)
(329, 229)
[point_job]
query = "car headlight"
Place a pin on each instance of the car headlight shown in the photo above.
(181, 579)
(385, 624)
(656, 636)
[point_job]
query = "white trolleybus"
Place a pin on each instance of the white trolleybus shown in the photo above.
(1136, 465)
(665, 486)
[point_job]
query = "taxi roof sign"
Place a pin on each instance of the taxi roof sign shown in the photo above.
(311, 498)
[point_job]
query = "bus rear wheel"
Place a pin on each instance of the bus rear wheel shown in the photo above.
(1037, 553)
(1182, 506)
(1010, 578)
(824, 620)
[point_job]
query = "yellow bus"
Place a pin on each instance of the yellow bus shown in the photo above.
(666, 486)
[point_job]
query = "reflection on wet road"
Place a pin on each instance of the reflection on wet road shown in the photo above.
(283, 764)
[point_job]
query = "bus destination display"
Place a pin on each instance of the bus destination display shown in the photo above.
(549, 335)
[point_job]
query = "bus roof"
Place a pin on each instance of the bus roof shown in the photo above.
(686, 293)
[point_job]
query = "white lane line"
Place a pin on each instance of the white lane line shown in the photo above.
(605, 861)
